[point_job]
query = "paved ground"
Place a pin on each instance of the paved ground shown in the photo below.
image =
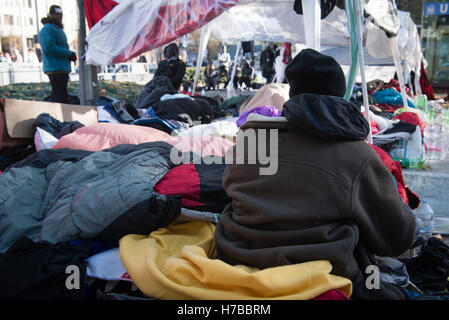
(432, 184)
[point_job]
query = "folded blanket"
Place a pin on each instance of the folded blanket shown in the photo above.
(178, 262)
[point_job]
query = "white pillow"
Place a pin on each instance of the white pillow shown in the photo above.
(44, 140)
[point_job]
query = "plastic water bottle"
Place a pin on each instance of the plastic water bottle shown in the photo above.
(412, 163)
(424, 220)
(421, 102)
(433, 137)
(444, 120)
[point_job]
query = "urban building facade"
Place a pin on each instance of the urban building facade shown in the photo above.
(435, 40)
(20, 23)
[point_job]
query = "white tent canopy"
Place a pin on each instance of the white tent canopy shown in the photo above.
(124, 27)
(263, 20)
(134, 27)
(276, 21)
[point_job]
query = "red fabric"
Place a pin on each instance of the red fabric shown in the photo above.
(287, 52)
(395, 85)
(424, 82)
(332, 295)
(96, 9)
(190, 93)
(412, 118)
(181, 180)
(172, 22)
(395, 168)
(388, 107)
(374, 126)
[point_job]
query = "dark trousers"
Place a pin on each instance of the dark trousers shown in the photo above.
(223, 71)
(246, 80)
(59, 83)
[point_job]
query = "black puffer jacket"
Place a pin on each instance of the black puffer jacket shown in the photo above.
(174, 69)
(153, 91)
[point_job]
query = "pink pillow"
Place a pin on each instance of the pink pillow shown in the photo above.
(101, 136)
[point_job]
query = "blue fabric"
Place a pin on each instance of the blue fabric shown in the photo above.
(109, 108)
(95, 247)
(150, 113)
(55, 49)
(102, 100)
(150, 118)
(412, 294)
(171, 124)
(391, 96)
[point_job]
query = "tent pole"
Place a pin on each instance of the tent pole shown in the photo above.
(81, 52)
(397, 62)
(359, 12)
(88, 82)
(205, 34)
(352, 73)
(312, 17)
(230, 86)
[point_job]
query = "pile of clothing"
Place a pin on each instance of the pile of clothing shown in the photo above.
(160, 106)
(429, 270)
(160, 204)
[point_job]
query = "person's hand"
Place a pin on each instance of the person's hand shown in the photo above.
(72, 57)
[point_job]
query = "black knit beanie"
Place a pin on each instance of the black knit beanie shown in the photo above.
(54, 9)
(313, 72)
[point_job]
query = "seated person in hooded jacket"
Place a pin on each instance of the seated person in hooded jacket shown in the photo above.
(172, 67)
(211, 77)
(325, 194)
(247, 74)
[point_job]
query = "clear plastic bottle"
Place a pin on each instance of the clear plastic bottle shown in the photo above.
(424, 220)
(433, 137)
(412, 163)
(444, 120)
(421, 102)
(438, 136)
(429, 139)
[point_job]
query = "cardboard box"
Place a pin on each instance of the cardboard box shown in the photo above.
(17, 118)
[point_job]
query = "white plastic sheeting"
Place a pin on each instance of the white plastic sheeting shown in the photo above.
(405, 48)
(408, 41)
(276, 21)
(134, 27)
(384, 14)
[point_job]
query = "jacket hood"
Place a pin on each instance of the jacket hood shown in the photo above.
(326, 117)
(46, 20)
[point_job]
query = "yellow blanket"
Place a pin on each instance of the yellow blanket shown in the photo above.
(178, 262)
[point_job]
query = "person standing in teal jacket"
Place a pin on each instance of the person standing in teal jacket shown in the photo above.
(56, 54)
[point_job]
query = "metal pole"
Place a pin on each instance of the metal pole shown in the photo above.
(205, 34)
(24, 42)
(359, 12)
(230, 87)
(81, 52)
(312, 17)
(397, 62)
(37, 17)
